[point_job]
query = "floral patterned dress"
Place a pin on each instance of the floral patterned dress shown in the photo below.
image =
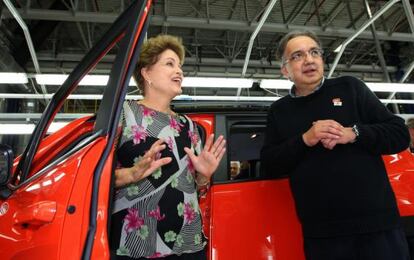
(159, 215)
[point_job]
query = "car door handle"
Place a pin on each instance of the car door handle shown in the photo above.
(35, 215)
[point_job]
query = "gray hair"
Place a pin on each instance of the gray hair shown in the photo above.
(410, 123)
(284, 41)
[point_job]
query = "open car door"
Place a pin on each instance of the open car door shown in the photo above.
(55, 205)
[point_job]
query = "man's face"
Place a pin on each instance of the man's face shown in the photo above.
(303, 65)
(234, 169)
(411, 130)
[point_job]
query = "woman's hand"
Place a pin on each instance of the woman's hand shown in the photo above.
(206, 163)
(147, 165)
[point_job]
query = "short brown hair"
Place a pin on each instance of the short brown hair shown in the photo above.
(284, 41)
(151, 51)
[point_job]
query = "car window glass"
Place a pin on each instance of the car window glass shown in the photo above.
(245, 143)
(79, 104)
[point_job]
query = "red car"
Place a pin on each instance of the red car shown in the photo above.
(55, 198)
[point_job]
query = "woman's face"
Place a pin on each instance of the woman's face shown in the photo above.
(165, 75)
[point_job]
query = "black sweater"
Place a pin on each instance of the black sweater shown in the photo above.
(345, 190)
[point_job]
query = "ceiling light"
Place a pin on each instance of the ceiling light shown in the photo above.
(397, 101)
(375, 87)
(27, 129)
(276, 84)
(50, 79)
(200, 82)
(13, 78)
(391, 87)
(88, 80)
(225, 98)
(194, 82)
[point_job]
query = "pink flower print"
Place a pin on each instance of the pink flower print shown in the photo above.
(170, 143)
(156, 255)
(190, 165)
(175, 125)
(193, 137)
(138, 132)
(148, 112)
(189, 213)
(156, 213)
(133, 220)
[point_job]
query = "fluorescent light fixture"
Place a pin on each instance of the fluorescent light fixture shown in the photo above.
(225, 98)
(276, 84)
(397, 101)
(27, 129)
(138, 97)
(202, 82)
(94, 80)
(375, 87)
(13, 78)
(391, 87)
(50, 79)
(181, 97)
(338, 48)
(193, 82)
(16, 129)
(88, 80)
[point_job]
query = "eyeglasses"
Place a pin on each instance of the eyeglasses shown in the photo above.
(301, 55)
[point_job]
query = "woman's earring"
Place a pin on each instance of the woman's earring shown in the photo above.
(149, 82)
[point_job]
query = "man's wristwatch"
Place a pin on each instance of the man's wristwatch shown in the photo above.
(356, 131)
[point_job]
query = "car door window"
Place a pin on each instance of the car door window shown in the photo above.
(245, 142)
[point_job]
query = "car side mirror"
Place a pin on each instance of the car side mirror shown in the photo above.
(6, 163)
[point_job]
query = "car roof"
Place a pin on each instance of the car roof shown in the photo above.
(222, 106)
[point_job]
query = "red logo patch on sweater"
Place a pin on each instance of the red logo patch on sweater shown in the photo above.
(337, 102)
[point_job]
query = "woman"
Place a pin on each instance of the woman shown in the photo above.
(156, 212)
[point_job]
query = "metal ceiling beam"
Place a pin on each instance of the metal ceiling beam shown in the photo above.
(355, 53)
(404, 78)
(377, 44)
(28, 38)
(253, 37)
(212, 62)
(408, 72)
(317, 6)
(195, 8)
(233, 9)
(359, 31)
(409, 13)
(254, 34)
(366, 53)
(202, 23)
(333, 14)
(282, 10)
(296, 11)
(348, 7)
(410, 18)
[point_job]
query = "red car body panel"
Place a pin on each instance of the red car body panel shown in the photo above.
(36, 226)
(254, 220)
(243, 220)
(400, 169)
(49, 215)
(52, 145)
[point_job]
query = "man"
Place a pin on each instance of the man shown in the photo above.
(234, 169)
(328, 135)
(410, 125)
